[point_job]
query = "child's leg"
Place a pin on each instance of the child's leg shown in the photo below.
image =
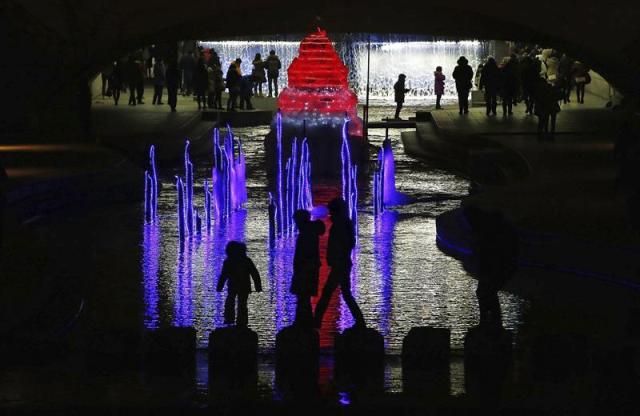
(230, 308)
(243, 311)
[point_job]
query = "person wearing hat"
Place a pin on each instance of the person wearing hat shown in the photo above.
(463, 74)
(400, 91)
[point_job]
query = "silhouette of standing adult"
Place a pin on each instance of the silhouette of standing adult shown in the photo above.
(306, 265)
(173, 82)
(495, 248)
(237, 269)
(463, 74)
(490, 83)
(341, 242)
(399, 92)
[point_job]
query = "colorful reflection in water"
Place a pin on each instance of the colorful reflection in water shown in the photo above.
(399, 278)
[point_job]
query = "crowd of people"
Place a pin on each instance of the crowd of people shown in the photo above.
(196, 74)
(538, 78)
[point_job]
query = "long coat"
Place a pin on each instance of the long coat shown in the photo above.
(306, 261)
(438, 87)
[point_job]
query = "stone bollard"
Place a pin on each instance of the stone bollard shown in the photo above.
(114, 348)
(487, 360)
(233, 361)
(425, 361)
(297, 364)
(170, 351)
(359, 358)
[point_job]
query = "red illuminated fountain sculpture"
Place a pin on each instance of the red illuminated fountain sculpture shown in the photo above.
(315, 104)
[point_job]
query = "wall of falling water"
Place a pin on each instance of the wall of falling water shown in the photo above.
(390, 55)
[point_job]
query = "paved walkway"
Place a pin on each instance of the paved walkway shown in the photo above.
(132, 129)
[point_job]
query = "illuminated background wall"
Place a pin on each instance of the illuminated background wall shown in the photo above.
(391, 55)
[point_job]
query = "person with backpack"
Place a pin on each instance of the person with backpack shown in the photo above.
(273, 66)
(233, 81)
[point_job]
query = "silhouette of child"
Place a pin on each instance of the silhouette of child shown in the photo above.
(238, 269)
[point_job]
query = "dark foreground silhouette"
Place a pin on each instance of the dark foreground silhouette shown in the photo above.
(238, 270)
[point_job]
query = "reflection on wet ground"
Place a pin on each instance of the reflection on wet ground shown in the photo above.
(400, 278)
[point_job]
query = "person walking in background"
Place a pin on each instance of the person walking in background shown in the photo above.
(508, 85)
(546, 107)
(438, 85)
(105, 76)
(273, 66)
(211, 84)
(530, 71)
(564, 77)
(173, 82)
(258, 75)
(132, 74)
(463, 74)
(581, 78)
(115, 82)
(187, 67)
(306, 265)
(490, 83)
(233, 84)
(159, 79)
(200, 83)
(399, 92)
(218, 87)
(139, 80)
(238, 270)
(341, 242)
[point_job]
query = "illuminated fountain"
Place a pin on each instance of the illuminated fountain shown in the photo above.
(314, 106)
(151, 189)
(415, 56)
(293, 184)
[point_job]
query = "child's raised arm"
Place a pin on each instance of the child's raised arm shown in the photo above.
(224, 276)
(255, 276)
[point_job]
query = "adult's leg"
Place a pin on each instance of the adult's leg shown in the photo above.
(494, 102)
(344, 276)
(466, 101)
(132, 95)
(304, 316)
(438, 97)
(160, 93)
(243, 310)
(460, 103)
(230, 308)
(553, 123)
(275, 85)
(490, 311)
(270, 83)
(116, 95)
(487, 102)
(323, 303)
(218, 99)
(398, 109)
(140, 92)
